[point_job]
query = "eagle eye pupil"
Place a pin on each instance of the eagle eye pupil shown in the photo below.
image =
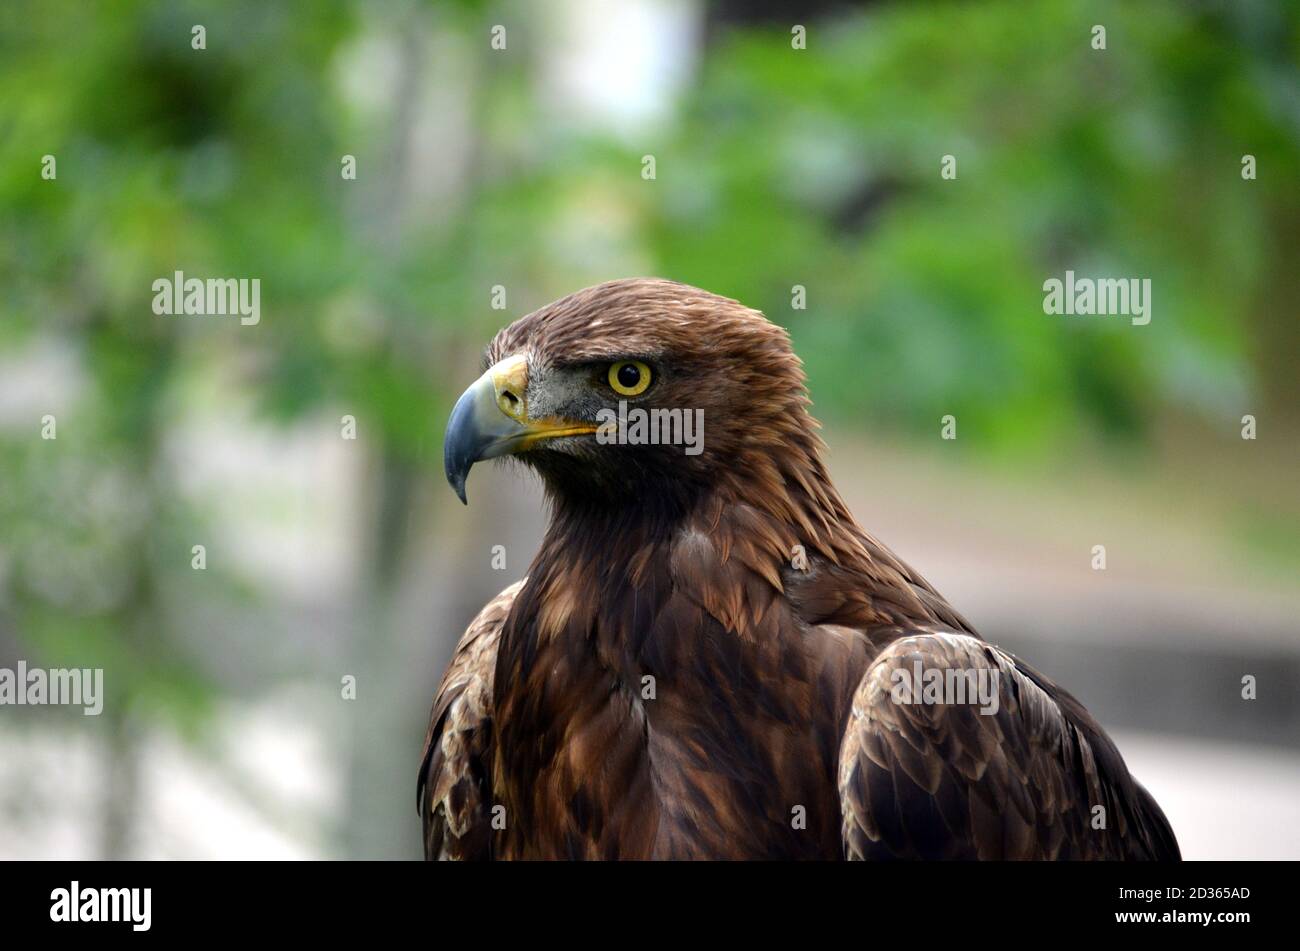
(629, 375)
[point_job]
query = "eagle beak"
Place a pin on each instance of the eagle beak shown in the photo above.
(491, 419)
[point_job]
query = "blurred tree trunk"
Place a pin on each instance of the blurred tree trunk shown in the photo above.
(121, 783)
(369, 831)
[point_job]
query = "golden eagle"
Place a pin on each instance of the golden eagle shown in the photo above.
(708, 657)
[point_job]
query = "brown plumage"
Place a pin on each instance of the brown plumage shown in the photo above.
(699, 662)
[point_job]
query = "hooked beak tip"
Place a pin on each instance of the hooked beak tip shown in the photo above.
(456, 466)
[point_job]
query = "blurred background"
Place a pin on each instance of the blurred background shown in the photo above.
(226, 730)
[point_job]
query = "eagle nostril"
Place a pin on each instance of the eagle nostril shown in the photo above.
(509, 403)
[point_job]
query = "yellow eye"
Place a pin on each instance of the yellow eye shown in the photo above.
(629, 377)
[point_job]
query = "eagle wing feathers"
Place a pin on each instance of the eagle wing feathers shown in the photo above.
(1034, 778)
(453, 792)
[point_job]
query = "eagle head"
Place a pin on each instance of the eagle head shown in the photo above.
(635, 391)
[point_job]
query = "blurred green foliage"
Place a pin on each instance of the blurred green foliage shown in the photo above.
(925, 295)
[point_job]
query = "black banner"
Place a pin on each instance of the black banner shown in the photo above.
(334, 900)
